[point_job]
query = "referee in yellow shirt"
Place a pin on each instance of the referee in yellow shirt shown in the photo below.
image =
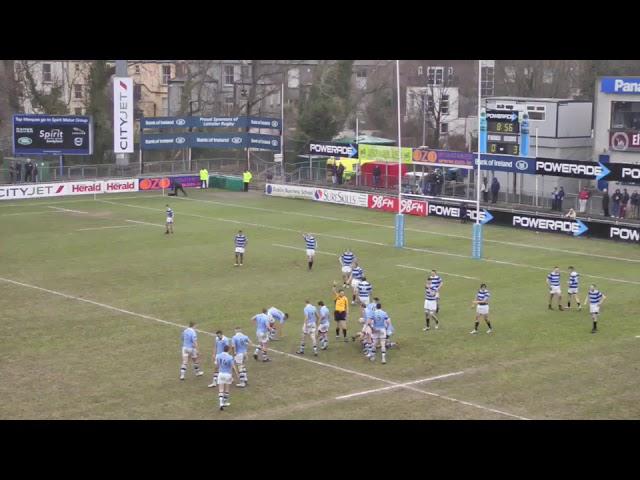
(341, 311)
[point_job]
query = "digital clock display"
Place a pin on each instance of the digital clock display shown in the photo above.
(503, 127)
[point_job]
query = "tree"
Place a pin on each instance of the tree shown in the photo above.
(381, 111)
(99, 106)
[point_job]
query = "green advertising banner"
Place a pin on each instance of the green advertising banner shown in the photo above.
(382, 153)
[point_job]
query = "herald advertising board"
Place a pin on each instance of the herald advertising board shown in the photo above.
(390, 204)
(43, 190)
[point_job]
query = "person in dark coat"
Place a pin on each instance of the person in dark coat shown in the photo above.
(624, 204)
(28, 169)
(560, 198)
(463, 213)
(376, 175)
(616, 198)
(340, 173)
(605, 203)
(18, 172)
(495, 189)
(12, 171)
(177, 186)
(34, 173)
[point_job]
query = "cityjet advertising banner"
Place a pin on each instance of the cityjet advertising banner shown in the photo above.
(42, 190)
(52, 135)
(122, 115)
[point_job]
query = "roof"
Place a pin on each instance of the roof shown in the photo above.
(533, 99)
(365, 139)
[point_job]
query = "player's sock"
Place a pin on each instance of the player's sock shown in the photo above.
(215, 378)
(595, 325)
(569, 304)
(301, 348)
(344, 333)
(384, 355)
(578, 304)
(427, 319)
(476, 326)
(183, 370)
(310, 265)
(221, 399)
(489, 325)
(196, 368)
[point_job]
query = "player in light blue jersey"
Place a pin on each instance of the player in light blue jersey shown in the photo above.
(240, 242)
(436, 282)
(390, 331)
(346, 261)
(357, 274)
(276, 322)
(221, 341)
(169, 223)
(309, 327)
(430, 306)
(323, 327)
(481, 303)
(225, 370)
(190, 351)
(572, 291)
(311, 243)
(553, 281)
(379, 327)
(365, 334)
(262, 332)
(595, 297)
(240, 343)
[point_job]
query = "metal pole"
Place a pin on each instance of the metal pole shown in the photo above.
(358, 171)
(190, 129)
(282, 128)
(536, 175)
(424, 119)
(399, 216)
(479, 111)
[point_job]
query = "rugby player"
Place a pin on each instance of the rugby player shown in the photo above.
(357, 274)
(311, 244)
(221, 342)
(572, 291)
(346, 261)
(309, 327)
(323, 327)
(225, 369)
(553, 281)
(169, 223)
(430, 305)
(240, 344)
(274, 314)
(190, 351)
(262, 333)
(240, 241)
(595, 298)
(436, 281)
(482, 308)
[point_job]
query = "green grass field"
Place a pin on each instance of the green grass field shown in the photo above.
(82, 307)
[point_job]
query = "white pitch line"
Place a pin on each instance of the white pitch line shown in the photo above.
(26, 213)
(103, 228)
(353, 372)
(400, 385)
(145, 223)
(409, 229)
(303, 249)
(39, 204)
(66, 210)
(439, 271)
(433, 252)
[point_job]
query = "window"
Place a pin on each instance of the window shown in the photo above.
(486, 81)
(165, 106)
(77, 91)
(444, 128)
(509, 74)
(430, 104)
(361, 73)
(625, 115)
(166, 74)
(444, 105)
(537, 112)
(293, 78)
(547, 76)
(137, 69)
(46, 73)
(77, 67)
(435, 75)
(137, 92)
(228, 75)
(244, 72)
(77, 111)
(449, 74)
(420, 71)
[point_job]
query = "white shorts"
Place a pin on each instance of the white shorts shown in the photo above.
(430, 305)
(263, 337)
(169, 219)
(224, 379)
(364, 300)
(309, 328)
(380, 333)
(323, 328)
(239, 249)
(239, 358)
(553, 290)
(572, 291)
(189, 352)
(311, 252)
(482, 309)
(594, 308)
(354, 284)
(346, 269)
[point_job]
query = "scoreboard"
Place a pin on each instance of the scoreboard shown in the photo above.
(503, 130)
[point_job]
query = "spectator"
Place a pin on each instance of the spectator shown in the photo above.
(463, 213)
(554, 199)
(28, 169)
(583, 198)
(340, 173)
(560, 198)
(438, 182)
(35, 172)
(334, 173)
(571, 214)
(18, 172)
(635, 204)
(495, 189)
(12, 171)
(246, 179)
(485, 190)
(616, 198)
(605, 203)
(376, 175)
(204, 178)
(624, 204)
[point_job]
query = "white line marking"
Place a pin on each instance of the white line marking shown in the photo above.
(400, 385)
(353, 372)
(430, 232)
(103, 228)
(439, 271)
(303, 249)
(39, 204)
(145, 223)
(637, 336)
(60, 209)
(424, 250)
(26, 213)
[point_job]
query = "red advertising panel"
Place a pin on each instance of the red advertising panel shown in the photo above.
(390, 204)
(625, 140)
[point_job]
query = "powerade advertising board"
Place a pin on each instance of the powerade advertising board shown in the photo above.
(52, 135)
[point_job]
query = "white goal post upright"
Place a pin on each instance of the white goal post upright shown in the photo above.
(399, 216)
(476, 247)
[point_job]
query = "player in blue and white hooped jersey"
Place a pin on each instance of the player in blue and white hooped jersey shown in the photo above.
(323, 326)
(190, 351)
(309, 327)
(553, 281)
(430, 306)
(574, 284)
(221, 342)
(262, 333)
(365, 334)
(225, 370)
(240, 343)
(169, 222)
(357, 274)
(311, 244)
(436, 282)
(595, 298)
(364, 292)
(276, 322)
(481, 303)
(240, 242)
(379, 328)
(346, 261)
